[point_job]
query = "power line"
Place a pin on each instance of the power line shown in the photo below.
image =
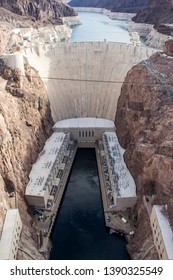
(99, 81)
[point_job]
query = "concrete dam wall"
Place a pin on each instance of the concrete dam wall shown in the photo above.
(84, 79)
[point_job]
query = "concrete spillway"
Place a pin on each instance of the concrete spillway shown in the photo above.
(85, 79)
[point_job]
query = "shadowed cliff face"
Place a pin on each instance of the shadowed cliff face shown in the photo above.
(144, 126)
(125, 6)
(157, 12)
(25, 125)
(40, 11)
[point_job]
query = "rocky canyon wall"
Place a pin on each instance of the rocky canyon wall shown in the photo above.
(144, 126)
(156, 12)
(34, 13)
(25, 124)
(124, 6)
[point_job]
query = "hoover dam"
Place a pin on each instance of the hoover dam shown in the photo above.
(84, 79)
(85, 134)
(83, 82)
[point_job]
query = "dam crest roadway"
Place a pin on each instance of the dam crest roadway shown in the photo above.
(84, 79)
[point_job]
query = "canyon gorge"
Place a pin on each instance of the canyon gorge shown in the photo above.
(133, 88)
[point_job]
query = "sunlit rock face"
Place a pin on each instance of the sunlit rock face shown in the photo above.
(144, 127)
(25, 124)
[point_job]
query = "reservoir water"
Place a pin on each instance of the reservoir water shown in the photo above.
(98, 27)
(79, 231)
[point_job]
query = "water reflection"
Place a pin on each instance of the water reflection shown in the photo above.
(79, 231)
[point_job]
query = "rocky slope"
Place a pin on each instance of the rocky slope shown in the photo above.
(125, 6)
(30, 12)
(5, 29)
(25, 124)
(159, 13)
(144, 126)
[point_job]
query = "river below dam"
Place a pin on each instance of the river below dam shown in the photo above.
(99, 27)
(79, 231)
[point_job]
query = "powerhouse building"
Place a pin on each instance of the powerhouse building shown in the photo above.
(85, 130)
(43, 175)
(122, 183)
(10, 237)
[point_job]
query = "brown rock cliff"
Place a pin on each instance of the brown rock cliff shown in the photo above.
(25, 124)
(144, 126)
(29, 12)
(157, 12)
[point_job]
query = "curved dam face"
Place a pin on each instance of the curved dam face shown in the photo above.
(84, 79)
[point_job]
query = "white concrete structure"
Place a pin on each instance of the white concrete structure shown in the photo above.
(85, 129)
(71, 21)
(44, 171)
(10, 235)
(135, 39)
(14, 61)
(162, 232)
(84, 79)
(122, 183)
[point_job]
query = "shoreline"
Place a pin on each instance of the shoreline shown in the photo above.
(111, 15)
(153, 38)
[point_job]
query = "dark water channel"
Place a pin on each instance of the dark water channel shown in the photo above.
(79, 231)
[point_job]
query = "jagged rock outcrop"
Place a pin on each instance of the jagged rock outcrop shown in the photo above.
(168, 47)
(5, 29)
(34, 12)
(45, 20)
(25, 124)
(144, 127)
(124, 6)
